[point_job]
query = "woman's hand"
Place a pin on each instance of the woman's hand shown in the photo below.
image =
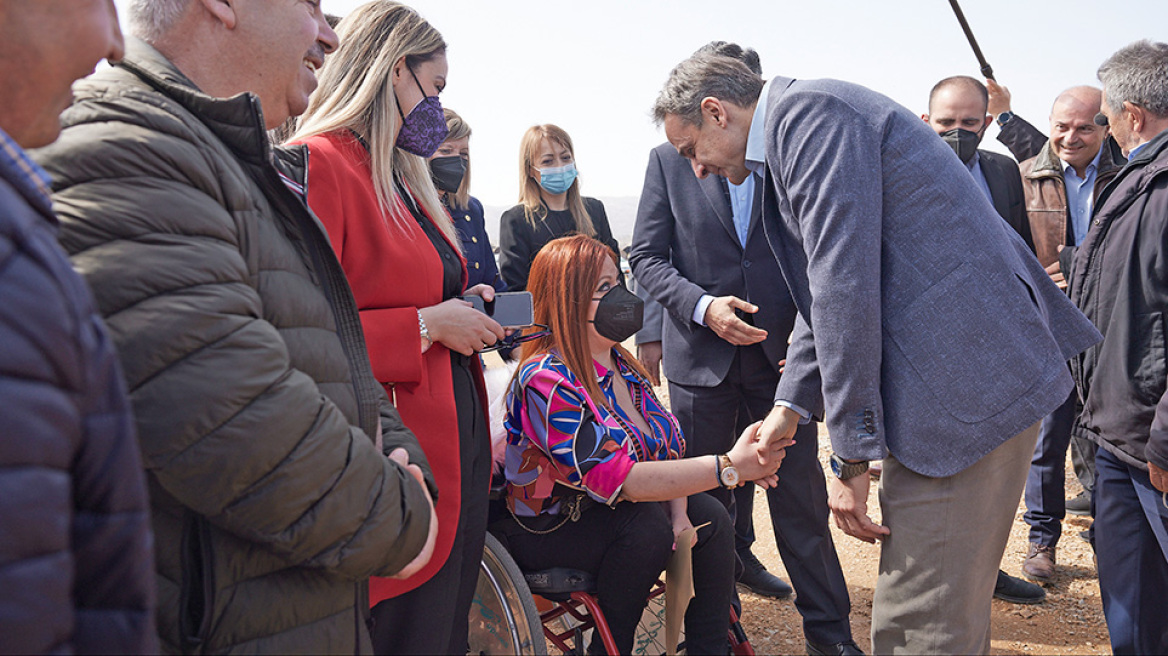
(485, 292)
(746, 459)
(679, 518)
(459, 327)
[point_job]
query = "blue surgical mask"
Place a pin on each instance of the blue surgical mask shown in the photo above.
(557, 179)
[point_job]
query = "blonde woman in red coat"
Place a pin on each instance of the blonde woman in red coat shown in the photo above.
(368, 128)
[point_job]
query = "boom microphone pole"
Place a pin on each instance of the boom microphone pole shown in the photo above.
(986, 69)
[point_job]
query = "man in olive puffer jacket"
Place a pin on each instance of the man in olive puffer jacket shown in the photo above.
(243, 352)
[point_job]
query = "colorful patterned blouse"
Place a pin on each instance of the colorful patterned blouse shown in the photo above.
(556, 434)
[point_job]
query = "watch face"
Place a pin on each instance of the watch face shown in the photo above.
(835, 467)
(729, 476)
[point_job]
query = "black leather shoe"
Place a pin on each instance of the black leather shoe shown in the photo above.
(848, 648)
(1080, 505)
(758, 580)
(1017, 591)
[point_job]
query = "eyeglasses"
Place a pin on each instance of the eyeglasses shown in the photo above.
(1101, 120)
(516, 339)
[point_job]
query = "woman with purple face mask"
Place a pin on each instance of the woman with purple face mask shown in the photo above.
(550, 204)
(368, 130)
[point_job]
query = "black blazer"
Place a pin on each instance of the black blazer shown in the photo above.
(684, 246)
(1005, 183)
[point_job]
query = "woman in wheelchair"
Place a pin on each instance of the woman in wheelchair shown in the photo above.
(595, 467)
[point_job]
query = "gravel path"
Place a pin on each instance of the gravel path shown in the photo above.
(1070, 621)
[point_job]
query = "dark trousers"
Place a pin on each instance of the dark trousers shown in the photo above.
(1131, 544)
(627, 548)
(1045, 483)
(799, 513)
(433, 618)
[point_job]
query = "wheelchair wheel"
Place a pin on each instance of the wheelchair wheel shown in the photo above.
(650, 637)
(503, 617)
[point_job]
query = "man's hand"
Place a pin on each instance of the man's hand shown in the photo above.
(848, 501)
(401, 457)
(778, 428)
(721, 319)
(755, 461)
(999, 100)
(1159, 477)
(1055, 272)
(649, 355)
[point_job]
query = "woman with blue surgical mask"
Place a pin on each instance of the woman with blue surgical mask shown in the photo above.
(550, 205)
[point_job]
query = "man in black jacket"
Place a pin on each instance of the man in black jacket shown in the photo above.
(1119, 279)
(957, 113)
(76, 552)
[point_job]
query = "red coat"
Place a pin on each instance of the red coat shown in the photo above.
(393, 270)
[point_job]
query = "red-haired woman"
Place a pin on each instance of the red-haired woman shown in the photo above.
(587, 438)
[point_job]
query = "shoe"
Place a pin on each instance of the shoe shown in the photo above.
(848, 648)
(758, 580)
(1016, 591)
(1039, 562)
(1088, 535)
(1080, 505)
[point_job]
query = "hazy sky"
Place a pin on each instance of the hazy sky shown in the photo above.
(594, 67)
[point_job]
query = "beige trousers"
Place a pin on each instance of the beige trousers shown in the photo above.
(940, 562)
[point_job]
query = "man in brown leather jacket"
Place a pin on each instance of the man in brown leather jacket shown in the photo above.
(1061, 184)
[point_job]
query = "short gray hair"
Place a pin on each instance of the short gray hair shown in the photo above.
(1137, 73)
(150, 19)
(701, 76)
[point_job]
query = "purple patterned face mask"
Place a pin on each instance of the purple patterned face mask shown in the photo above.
(425, 128)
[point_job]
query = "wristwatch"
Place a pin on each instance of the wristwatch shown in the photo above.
(727, 472)
(1005, 117)
(844, 470)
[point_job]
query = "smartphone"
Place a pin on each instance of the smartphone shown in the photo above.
(509, 309)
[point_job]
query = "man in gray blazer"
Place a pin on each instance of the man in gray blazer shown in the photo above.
(928, 334)
(689, 254)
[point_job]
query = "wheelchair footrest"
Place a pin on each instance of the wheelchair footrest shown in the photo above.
(558, 583)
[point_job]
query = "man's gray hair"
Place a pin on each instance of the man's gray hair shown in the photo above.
(1137, 73)
(701, 76)
(150, 19)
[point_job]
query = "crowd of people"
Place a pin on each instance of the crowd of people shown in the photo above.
(243, 402)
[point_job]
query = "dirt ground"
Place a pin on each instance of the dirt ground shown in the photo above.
(1070, 621)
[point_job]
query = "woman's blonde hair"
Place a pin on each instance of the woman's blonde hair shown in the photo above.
(529, 189)
(458, 129)
(355, 93)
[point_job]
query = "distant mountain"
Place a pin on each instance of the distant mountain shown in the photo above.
(621, 211)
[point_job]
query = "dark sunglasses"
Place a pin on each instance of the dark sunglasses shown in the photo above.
(516, 339)
(1100, 119)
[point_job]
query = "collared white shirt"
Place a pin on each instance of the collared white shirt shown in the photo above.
(1080, 195)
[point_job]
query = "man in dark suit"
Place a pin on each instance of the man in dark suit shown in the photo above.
(928, 334)
(723, 336)
(957, 112)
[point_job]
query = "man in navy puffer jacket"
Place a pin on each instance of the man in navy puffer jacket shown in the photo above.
(76, 561)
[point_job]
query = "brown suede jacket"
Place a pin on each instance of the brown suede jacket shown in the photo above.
(1046, 199)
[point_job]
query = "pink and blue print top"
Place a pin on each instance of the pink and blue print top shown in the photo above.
(557, 434)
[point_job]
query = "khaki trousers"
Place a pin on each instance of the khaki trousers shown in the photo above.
(940, 562)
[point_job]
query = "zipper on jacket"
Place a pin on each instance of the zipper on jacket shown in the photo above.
(196, 592)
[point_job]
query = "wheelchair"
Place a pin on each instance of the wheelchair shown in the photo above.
(506, 617)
